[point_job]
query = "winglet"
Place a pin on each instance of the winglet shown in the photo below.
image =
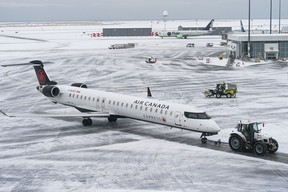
(149, 92)
(6, 114)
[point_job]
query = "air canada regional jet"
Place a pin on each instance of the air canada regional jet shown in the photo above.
(95, 103)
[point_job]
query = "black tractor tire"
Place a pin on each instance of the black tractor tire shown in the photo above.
(276, 144)
(260, 148)
(236, 143)
(228, 95)
(218, 95)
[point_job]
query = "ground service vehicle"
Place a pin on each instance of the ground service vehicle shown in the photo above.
(249, 138)
(227, 89)
(190, 45)
(151, 60)
(122, 46)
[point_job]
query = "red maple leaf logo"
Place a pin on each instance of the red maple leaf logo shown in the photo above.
(41, 76)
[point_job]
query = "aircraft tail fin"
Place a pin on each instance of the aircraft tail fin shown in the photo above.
(242, 27)
(41, 74)
(210, 25)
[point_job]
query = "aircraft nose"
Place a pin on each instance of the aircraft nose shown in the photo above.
(214, 126)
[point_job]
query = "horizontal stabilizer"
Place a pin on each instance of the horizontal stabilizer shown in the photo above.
(33, 63)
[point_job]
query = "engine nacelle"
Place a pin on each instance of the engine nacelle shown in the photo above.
(81, 85)
(51, 91)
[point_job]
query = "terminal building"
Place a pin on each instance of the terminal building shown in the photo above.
(116, 32)
(262, 46)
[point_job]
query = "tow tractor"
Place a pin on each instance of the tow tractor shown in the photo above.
(248, 137)
(227, 89)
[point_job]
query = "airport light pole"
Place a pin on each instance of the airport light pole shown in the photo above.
(270, 16)
(248, 48)
(279, 16)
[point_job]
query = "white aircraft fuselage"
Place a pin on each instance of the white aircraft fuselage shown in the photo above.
(145, 109)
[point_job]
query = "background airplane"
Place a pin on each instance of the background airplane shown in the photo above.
(185, 32)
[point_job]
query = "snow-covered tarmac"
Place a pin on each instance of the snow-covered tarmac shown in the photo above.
(62, 155)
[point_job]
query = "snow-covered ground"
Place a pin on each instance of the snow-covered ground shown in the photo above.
(62, 155)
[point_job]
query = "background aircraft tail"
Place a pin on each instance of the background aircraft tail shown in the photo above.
(210, 24)
(242, 28)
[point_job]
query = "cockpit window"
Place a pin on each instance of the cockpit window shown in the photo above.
(197, 115)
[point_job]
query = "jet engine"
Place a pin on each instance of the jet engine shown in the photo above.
(81, 85)
(51, 91)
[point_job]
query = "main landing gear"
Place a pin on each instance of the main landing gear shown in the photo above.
(112, 118)
(87, 122)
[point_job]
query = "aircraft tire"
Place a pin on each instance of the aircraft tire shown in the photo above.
(112, 119)
(204, 140)
(87, 122)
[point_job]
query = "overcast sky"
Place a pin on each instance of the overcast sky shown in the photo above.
(99, 10)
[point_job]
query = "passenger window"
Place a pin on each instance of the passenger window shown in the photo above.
(166, 112)
(146, 108)
(77, 96)
(81, 97)
(109, 102)
(122, 104)
(126, 104)
(171, 113)
(161, 111)
(156, 110)
(151, 109)
(118, 103)
(89, 98)
(69, 94)
(131, 106)
(93, 98)
(136, 106)
(73, 95)
(85, 97)
(141, 107)
(114, 102)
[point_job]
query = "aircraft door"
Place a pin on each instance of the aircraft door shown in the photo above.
(177, 118)
(98, 103)
(103, 104)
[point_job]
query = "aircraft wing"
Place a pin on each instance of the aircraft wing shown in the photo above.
(33, 115)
